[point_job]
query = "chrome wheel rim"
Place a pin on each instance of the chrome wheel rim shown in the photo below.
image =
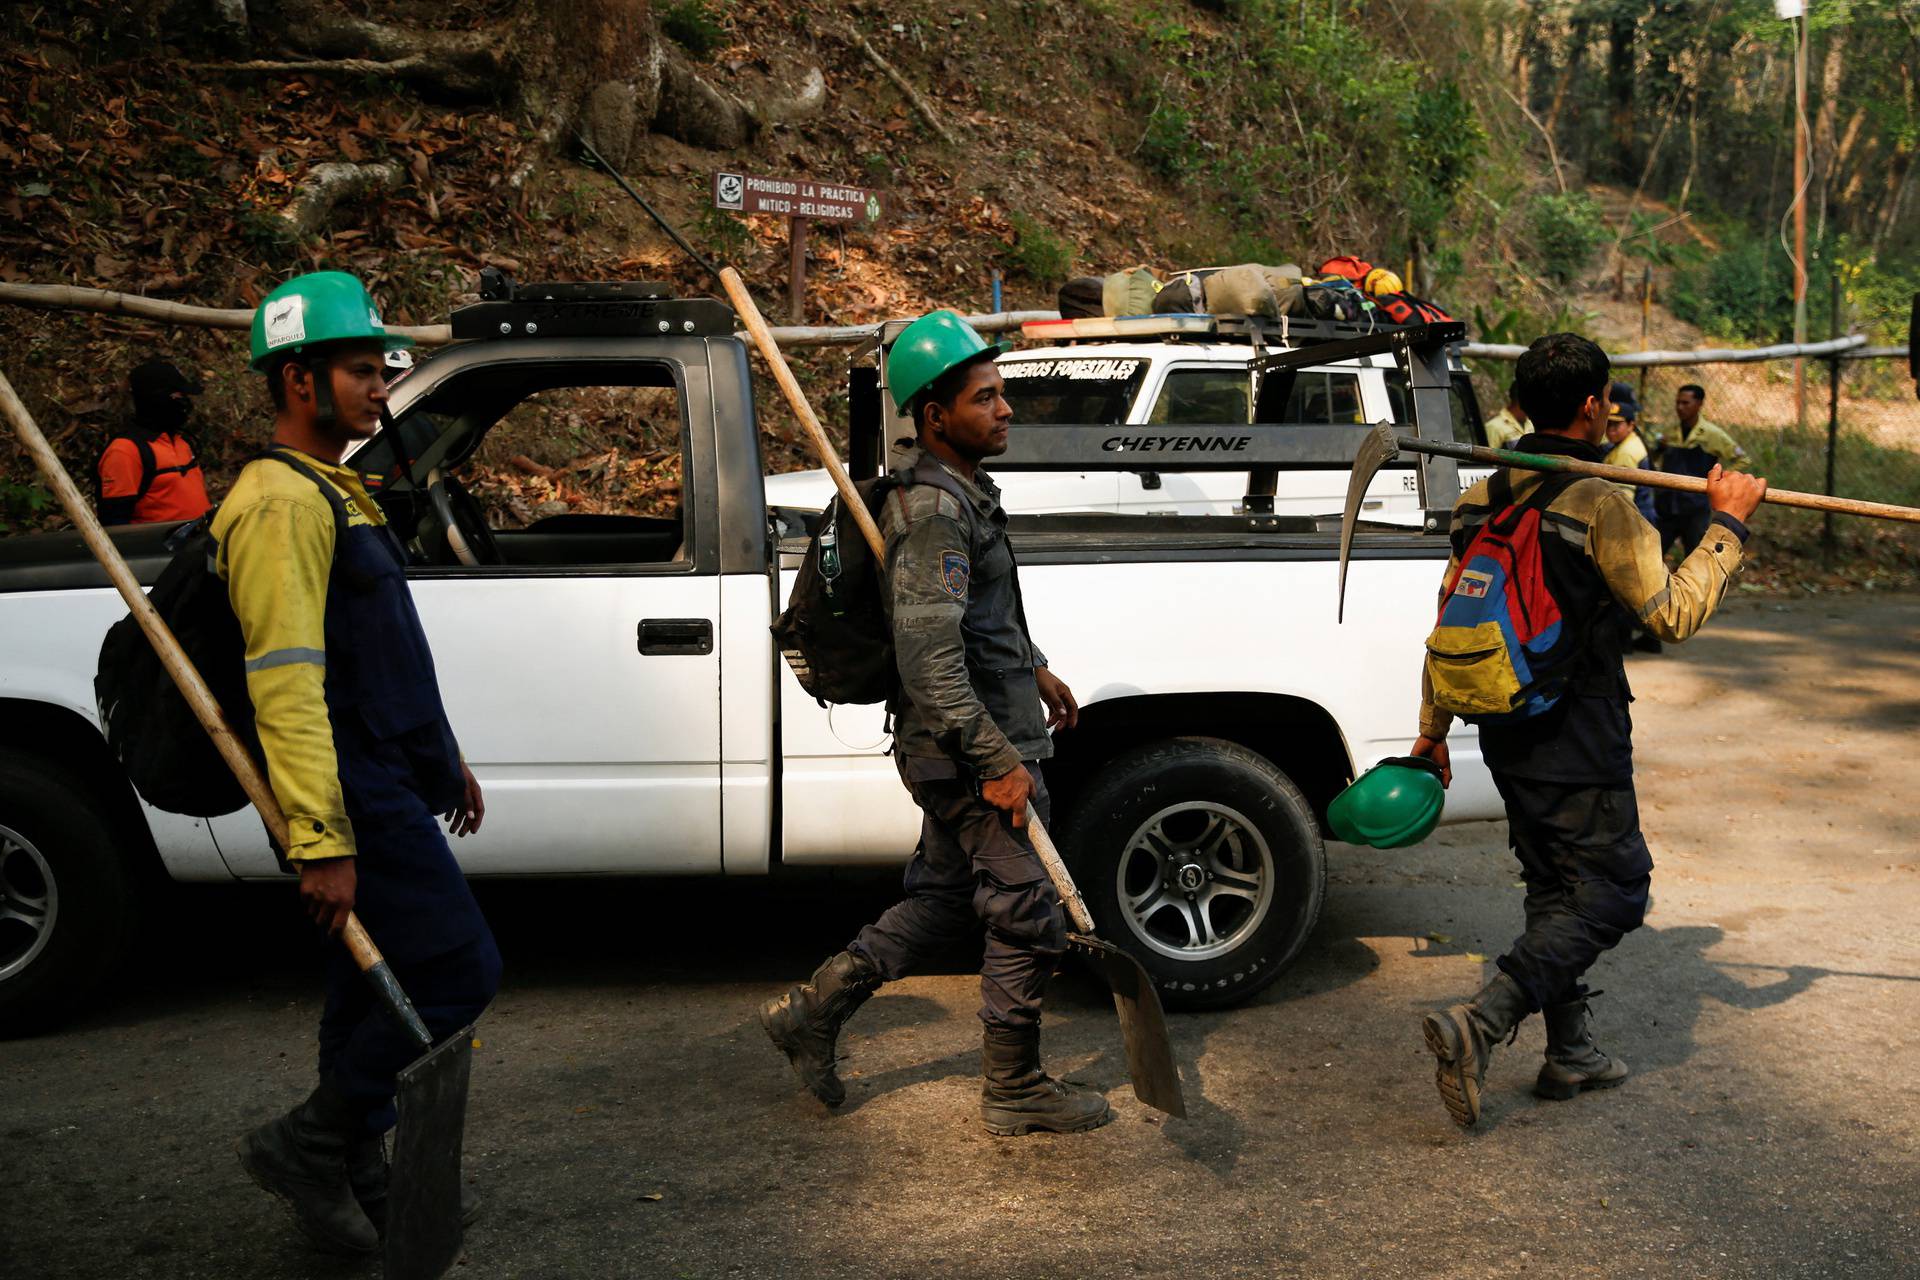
(29, 902)
(1195, 880)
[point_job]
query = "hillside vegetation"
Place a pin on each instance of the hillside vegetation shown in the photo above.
(1522, 161)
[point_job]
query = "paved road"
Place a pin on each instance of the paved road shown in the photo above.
(1771, 1128)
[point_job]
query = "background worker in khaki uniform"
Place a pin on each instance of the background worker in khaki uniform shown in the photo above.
(1566, 775)
(969, 735)
(1694, 449)
(1508, 425)
(1628, 448)
(357, 749)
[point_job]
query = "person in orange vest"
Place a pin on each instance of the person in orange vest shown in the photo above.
(150, 472)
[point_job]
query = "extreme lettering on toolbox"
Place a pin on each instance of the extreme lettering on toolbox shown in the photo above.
(1176, 444)
(1077, 370)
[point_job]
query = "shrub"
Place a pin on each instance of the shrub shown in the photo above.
(1567, 230)
(694, 26)
(1037, 253)
(1744, 291)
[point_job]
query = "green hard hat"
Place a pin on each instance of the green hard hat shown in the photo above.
(1394, 804)
(927, 348)
(324, 306)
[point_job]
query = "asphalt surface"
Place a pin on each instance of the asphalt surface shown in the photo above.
(629, 1119)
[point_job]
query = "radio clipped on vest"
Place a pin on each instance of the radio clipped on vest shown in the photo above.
(1503, 648)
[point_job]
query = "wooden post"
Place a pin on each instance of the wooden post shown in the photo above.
(1827, 545)
(797, 270)
(1800, 219)
(1646, 311)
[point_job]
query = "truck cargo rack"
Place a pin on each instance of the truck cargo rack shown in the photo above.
(596, 309)
(1262, 447)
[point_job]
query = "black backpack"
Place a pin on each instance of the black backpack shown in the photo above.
(167, 754)
(150, 468)
(834, 633)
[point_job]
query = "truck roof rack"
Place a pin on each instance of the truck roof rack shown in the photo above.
(586, 309)
(1172, 326)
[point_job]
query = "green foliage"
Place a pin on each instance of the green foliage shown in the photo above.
(1568, 229)
(724, 234)
(1744, 291)
(694, 25)
(1038, 253)
(21, 505)
(1442, 140)
(1297, 123)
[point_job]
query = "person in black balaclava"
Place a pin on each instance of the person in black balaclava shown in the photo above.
(150, 471)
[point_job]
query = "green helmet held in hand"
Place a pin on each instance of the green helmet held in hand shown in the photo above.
(1394, 804)
(323, 306)
(927, 348)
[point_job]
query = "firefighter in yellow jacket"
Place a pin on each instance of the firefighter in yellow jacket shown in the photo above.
(1566, 773)
(357, 747)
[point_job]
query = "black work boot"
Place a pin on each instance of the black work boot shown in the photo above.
(1574, 1061)
(1018, 1097)
(368, 1173)
(805, 1022)
(302, 1158)
(1462, 1039)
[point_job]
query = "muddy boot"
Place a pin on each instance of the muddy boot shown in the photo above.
(1574, 1061)
(368, 1172)
(1462, 1040)
(1019, 1097)
(805, 1022)
(302, 1158)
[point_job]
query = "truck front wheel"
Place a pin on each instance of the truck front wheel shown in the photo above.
(1203, 860)
(66, 894)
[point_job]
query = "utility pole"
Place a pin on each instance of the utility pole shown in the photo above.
(1792, 9)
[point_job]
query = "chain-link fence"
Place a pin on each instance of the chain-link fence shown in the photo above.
(1869, 434)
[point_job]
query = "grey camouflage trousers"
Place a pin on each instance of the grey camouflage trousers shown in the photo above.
(971, 868)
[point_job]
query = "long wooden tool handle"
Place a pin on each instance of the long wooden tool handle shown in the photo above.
(206, 708)
(1057, 872)
(850, 501)
(770, 351)
(1653, 479)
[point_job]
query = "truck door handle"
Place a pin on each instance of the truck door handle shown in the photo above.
(1149, 479)
(688, 637)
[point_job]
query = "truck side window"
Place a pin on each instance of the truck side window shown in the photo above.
(1201, 397)
(1320, 397)
(562, 468)
(1467, 428)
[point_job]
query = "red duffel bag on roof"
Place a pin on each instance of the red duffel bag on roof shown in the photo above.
(1347, 267)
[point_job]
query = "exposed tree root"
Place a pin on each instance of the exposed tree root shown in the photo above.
(333, 183)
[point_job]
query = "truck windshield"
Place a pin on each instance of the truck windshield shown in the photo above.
(1072, 391)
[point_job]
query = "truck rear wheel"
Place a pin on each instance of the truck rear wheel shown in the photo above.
(1203, 860)
(66, 895)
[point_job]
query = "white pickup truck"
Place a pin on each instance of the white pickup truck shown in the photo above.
(1177, 371)
(615, 687)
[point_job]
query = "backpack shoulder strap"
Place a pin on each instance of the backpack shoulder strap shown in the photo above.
(149, 466)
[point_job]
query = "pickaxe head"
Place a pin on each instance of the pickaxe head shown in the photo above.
(1379, 448)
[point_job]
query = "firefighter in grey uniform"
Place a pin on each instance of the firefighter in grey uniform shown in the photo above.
(969, 733)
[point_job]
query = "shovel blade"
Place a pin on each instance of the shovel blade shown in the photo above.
(423, 1197)
(1143, 1024)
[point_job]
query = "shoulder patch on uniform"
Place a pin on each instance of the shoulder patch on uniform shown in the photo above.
(954, 572)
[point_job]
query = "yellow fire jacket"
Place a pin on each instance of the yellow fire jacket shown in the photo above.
(276, 534)
(1600, 518)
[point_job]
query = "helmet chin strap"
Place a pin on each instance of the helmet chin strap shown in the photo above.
(325, 418)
